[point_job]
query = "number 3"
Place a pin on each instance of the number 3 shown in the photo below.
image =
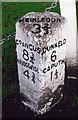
(38, 30)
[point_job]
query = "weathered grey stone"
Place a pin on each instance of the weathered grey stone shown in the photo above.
(41, 44)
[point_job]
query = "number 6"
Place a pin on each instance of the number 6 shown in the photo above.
(53, 56)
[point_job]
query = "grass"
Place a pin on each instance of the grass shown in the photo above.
(0, 73)
(12, 88)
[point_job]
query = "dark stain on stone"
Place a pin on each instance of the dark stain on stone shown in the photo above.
(24, 98)
(47, 95)
(57, 94)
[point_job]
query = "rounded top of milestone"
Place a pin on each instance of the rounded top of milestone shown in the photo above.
(41, 25)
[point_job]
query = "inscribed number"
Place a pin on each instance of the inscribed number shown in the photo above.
(38, 28)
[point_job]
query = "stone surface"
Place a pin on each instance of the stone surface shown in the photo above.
(41, 46)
